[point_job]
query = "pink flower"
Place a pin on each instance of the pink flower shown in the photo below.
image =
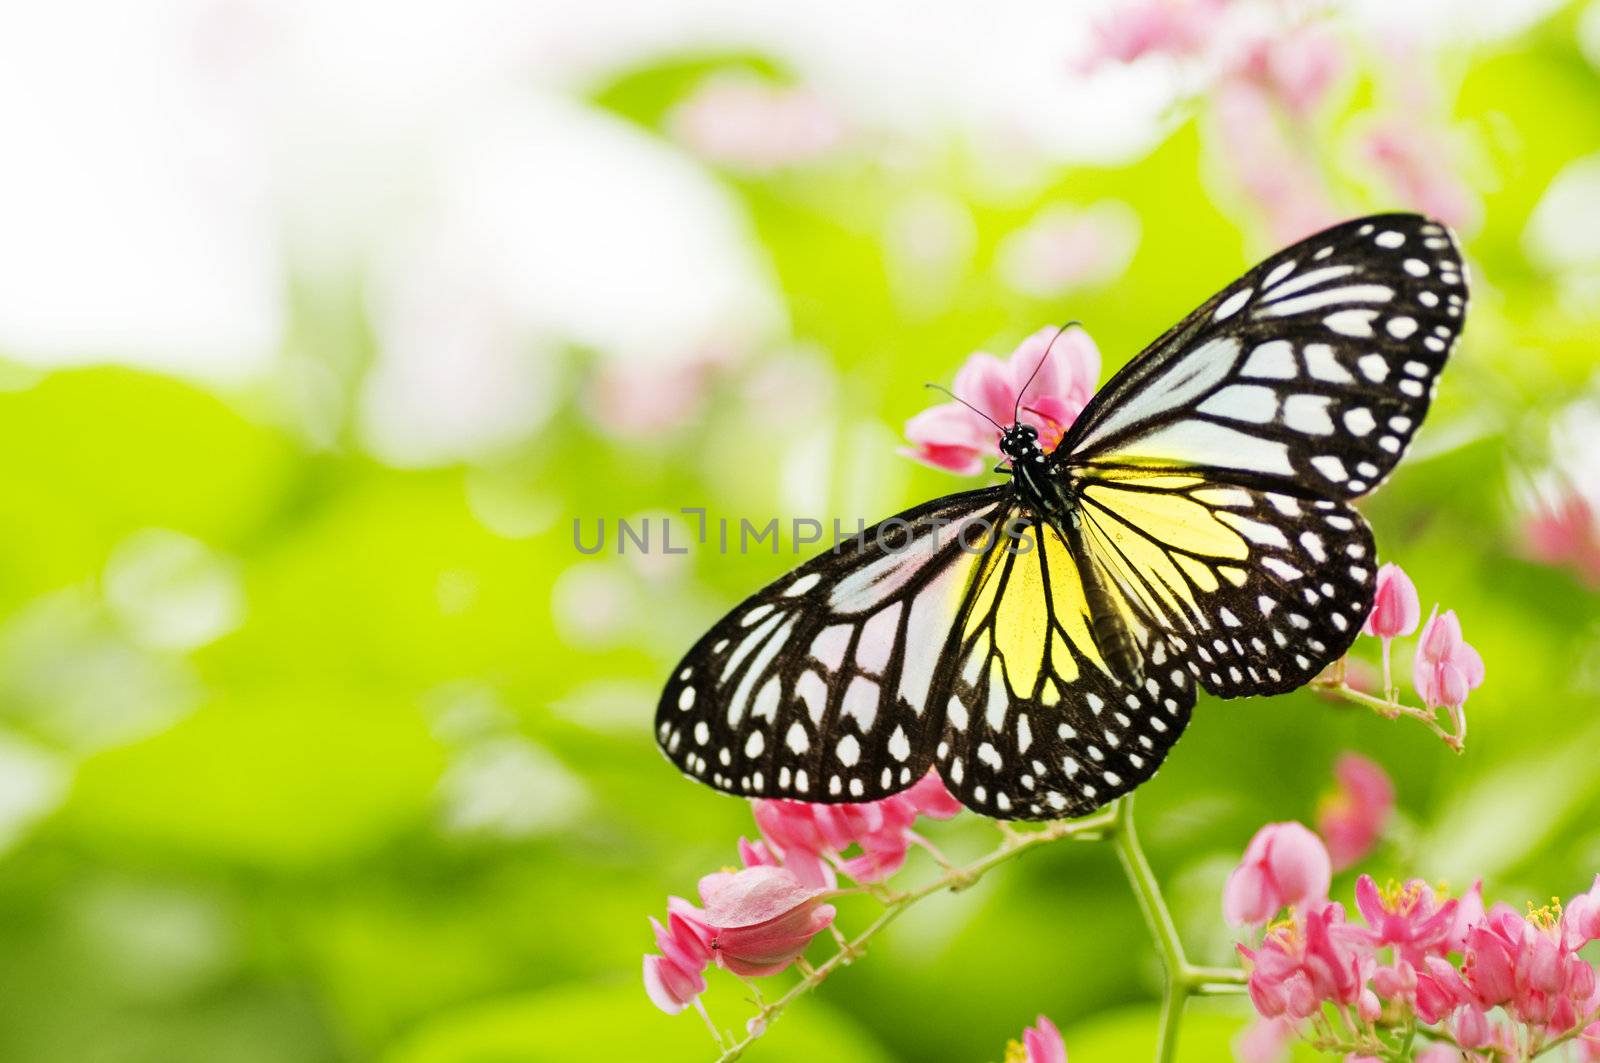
(952, 437)
(1041, 1043)
(1415, 160)
(1395, 610)
(675, 978)
(1580, 922)
(1151, 27)
(762, 918)
(1563, 532)
(1446, 667)
(1284, 184)
(1285, 865)
(1306, 963)
(1296, 66)
(1064, 248)
(1353, 816)
(1407, 918)
(1265, 1040)
(752, 125)
(1437, 1053)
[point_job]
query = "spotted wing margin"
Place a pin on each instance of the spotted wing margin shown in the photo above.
(817, 687)
(1035, 725)
(1309, 374)
(1255, 592)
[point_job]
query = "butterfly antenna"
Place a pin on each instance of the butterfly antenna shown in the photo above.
(968, 405)
(1015, 410)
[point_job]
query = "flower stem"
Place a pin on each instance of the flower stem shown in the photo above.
(1090, 828)
(1390, 708)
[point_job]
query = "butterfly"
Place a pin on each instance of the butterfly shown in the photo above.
(1041, 641)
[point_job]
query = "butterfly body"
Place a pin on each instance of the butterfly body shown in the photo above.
(1041, 642)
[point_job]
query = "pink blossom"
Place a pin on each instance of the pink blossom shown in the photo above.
(1415, 160)
(1446, 667)
(952, 437)
(1563, 532)
(1351, 819)
(1395, 610)
(1151, 27)
(1580, 922)
(1296, 66)
(762, 918)
(1438, 1053)
(1284, 184)
(1284, 865)
(1265, 1040)
(809, 837)
(1064, 248)
(1308, 962)
(675, 978)
(1041, 1043)
(752, 125)
(1407, 918)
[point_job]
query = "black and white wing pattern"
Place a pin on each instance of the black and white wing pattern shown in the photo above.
(818, 687)
(1036, 726)
(1310, 373)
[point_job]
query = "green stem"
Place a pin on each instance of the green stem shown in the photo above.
(1183, 979)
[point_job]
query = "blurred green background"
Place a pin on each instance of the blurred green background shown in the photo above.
(318, 738)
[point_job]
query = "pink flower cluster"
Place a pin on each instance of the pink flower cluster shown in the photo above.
(1445, 668)
(1064, 367)
(1352, 817)
(1496, 983)
(758, 920)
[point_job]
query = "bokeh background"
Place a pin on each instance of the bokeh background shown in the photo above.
(322, 322)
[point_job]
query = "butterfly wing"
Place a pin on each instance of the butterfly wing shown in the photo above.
(1037, 725)
(819, 687)
(1308, 375)
(1254, 591)
(1213, 470)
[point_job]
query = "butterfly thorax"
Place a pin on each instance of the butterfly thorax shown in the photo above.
(1046, 489)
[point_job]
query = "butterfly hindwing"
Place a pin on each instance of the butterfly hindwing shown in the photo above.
(818, 687)
(1036, 726)
(1309, 374)
(1255, 591)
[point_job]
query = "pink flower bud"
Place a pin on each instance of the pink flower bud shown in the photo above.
(1446, 667)
(764, 918)
(670, 986)
(1353, 816)
(1470, 1026)
(1285, 864)
(1395, 609)
(1042, 1042)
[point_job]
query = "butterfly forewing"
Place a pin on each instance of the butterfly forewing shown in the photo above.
(818, 687)
(1037, 726)
(1308, 374)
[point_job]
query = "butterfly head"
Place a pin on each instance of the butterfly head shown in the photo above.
(1020, 443)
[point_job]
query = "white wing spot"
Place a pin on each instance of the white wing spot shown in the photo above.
(1389, 238)
(1401, 327)
(686, 698)
(1308, 413)
(1232, 304)
(1373, 367)
(1356, 323)
(702, 733)
(899, 747)
(989, 755)
(797, 740)
(1359, 421)
(1273, 360)
(803, 584)
(848, 751)
(755, 744)
(1416, 267)
(1322, 364)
